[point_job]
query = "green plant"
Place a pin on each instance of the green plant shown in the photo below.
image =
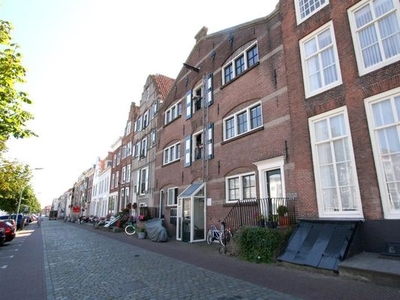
(142, 229)
(282, 210)
(261, 245)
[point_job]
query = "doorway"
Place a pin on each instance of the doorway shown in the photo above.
(191, 214)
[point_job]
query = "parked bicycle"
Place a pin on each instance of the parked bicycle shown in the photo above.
(222, 235)
(130, 229)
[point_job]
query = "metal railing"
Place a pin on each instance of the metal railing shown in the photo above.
(260, 212)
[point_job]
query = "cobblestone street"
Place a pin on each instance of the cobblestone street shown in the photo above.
(80, 264)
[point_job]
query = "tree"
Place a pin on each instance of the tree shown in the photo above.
(13, 179)
(13, 117)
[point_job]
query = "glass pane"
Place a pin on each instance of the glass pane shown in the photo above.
(382, 113)
(321, 131)
(363, 16)
(310, 48)
(382, 6)
(342, 150)
(255, 114)
(397, 104)
(347, 196)
(345, 176)
(369, 46)
(337, 126)
(329, 197)
(327, 176)
(242, 122)
(389, 29)
(324, 154)
(329, 66)
(324, 39)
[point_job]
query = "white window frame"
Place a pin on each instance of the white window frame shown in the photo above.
(241, 187)
(301, 18)
(175, 148)
(233, 61)
(123, 174)
(334, 207)
(318, 56)
(362, 69)
(144, 181)
(143, 148)
(172, 196)
(247, 111)
(174, 112)
(385, 171)
(128, 173)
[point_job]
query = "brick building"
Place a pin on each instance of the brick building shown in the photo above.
(344, 91)
(226, 127)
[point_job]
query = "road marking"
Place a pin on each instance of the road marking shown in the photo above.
(11, 256)
(4, 267)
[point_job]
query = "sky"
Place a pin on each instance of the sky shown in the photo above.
(88, 60)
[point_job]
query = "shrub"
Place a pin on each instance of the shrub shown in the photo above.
(261, 245)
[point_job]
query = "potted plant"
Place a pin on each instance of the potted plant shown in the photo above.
(284, 220)
(260, 219)
(142, 232)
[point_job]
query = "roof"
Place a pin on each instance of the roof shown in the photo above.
(163, 84)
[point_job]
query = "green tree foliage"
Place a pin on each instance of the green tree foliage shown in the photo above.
(14, 177)
(13, 117)
(15, 183)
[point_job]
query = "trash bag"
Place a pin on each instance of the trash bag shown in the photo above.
(156, 232)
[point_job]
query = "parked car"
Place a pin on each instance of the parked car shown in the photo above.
(9, 230)
(2, 236)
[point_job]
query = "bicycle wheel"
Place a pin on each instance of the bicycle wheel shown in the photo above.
(209, 237)
(130, 230)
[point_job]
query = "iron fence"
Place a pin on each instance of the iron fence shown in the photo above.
(261, 212)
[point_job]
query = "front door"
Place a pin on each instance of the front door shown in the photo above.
(274, 183)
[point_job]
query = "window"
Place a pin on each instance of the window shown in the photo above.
(241, 187)
(383, 112)
(334, 165)
(172, 153)
(320, 61)
(129, 148)
(238, 123)
(153, 137)
(228, 72)
(128, 128)
(144, 181)
(128, 173)
(199, 145)
(146, 119)
(375, 27)
(118, 157)
(199, 97)
(173, 113)
(123, 174)
(143, 148)
(306, 8)
(238, 64)
(252, 56)
(172, 196)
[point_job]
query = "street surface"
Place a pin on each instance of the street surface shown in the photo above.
(60, 261)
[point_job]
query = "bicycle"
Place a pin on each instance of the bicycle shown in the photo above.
(130, 229)
(222, 235)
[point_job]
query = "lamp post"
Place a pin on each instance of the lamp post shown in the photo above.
(20, 199)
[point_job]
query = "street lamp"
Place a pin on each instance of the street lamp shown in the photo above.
(20, 199)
